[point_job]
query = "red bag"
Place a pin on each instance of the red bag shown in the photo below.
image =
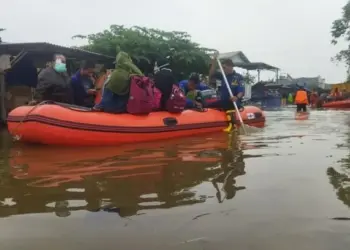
(157, 96)
(141, 95)
(177, 100)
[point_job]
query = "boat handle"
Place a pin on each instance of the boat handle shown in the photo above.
(170, 121)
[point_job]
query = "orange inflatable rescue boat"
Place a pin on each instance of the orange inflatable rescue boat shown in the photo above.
(343, 104)
(62, 124)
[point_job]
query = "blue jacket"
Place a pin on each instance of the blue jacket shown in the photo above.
(80, 85)
(183, 85)
(236, 84)
(112, 103)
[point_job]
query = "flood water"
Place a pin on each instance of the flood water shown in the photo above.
(286, 187)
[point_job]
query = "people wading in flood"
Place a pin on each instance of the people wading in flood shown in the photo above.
(53, 83)
(301, 99)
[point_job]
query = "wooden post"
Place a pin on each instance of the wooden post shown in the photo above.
(3, 114)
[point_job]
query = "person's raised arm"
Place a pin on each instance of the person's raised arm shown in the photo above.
(212, 69)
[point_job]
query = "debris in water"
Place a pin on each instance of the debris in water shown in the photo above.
(341, 218)
(192, 240)
(201, 215)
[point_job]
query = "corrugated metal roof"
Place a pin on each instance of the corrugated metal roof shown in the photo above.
(43, 47)
(233, 55)
(256, 66)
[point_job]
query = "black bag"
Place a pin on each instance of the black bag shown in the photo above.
(164, 81)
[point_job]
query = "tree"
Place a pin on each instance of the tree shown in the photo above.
(146, 46)
(249, 79)
(1, 29)
(341, 30)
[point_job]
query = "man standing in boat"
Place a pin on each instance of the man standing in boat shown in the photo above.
(235, 81)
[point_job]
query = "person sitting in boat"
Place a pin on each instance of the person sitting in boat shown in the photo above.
(313, 98)
(301, 99)
(116, 90)
(336, 94)
(192, 88)
(53, 83)
(235, 81)
(83, 86)
(101, 79)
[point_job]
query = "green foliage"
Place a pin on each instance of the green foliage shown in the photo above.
(249, 79)
(146, 46)
(341, 30)
(1, 29)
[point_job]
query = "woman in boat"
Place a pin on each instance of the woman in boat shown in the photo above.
(116, 91)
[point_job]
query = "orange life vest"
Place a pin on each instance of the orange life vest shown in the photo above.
(99, 86)
(301, 97)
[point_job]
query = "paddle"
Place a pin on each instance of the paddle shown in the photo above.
(231, 95)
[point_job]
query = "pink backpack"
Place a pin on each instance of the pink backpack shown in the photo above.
(141, 95)
(157, 96)
(177, 100)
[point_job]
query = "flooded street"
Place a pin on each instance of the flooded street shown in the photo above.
(286, 187)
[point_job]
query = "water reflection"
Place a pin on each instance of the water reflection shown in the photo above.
(121, 180)
(232, 165)
(340, 178)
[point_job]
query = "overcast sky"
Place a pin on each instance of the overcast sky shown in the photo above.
(293, 35)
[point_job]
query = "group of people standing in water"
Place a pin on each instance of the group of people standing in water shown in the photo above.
(112, 93)
(303, 98)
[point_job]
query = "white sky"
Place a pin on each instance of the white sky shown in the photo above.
(293, 35)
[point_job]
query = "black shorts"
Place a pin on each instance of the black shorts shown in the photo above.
(301, 107)
(225, 105)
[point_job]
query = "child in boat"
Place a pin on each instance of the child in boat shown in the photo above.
(192, 88)
(196, 97)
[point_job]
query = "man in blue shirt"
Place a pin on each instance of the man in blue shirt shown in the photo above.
(235, 81)
(193, 84)
(82, 85)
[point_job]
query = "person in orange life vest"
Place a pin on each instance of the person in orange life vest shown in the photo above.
(99, 84)
(313, 98)
(301, 99)
(336, 94)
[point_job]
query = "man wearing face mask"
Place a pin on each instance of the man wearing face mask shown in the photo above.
(53, 83)
(83, 86)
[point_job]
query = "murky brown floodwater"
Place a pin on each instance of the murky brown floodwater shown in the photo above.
(287, 187)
